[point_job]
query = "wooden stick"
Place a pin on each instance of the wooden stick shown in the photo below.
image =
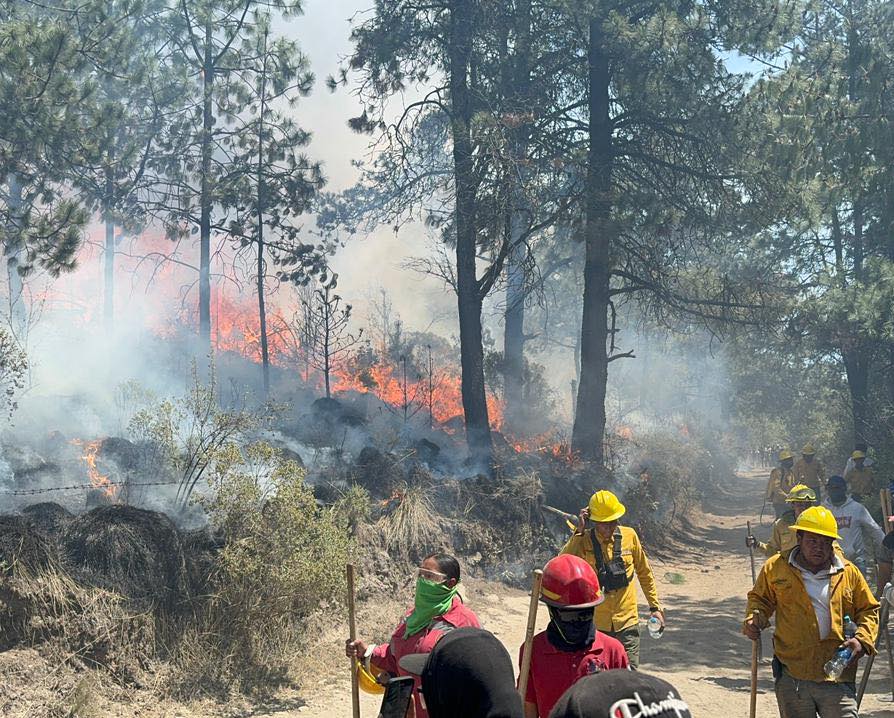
(525, 668)
(760, 641)
(352, 627)
(755, 648)
(887, 510)
(883, 626)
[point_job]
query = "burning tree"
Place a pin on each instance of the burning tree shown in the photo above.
(327, 331)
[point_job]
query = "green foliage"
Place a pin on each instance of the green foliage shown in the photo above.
(283, 560)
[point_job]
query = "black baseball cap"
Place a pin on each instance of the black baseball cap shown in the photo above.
(836, 481)
(621, 694)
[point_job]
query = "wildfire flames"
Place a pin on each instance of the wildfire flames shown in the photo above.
(97, 480)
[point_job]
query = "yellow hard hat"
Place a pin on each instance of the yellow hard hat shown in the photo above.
(817, 520)
(785, 454)
(858, 455)
(808, 449)
(800, 493)
(604, 506)
(367, 681)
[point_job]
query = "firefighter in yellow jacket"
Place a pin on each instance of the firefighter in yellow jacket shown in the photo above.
(782, 479)
(619, 556)
(810, 471)
(800, 498)
(811, 591)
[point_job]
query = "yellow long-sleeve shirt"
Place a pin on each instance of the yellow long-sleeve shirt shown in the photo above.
(619, 609)
(812, 474)
(780, 483)
(783, 540)
(796, 638)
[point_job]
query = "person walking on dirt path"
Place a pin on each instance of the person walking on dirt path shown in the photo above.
(616, 554)
(811, 591)
(863, 447)
(570, 647)
(810, 471)
(782, 479)
(799, 499)
(861, 479)
(437, 610)
(854, 524)
(885, 560)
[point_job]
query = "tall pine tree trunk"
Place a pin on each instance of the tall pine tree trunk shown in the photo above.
(109, 274)
(514, 316)
(467, 286)
(205, 197)
(589, 420)
(13, 249)
(262, 310)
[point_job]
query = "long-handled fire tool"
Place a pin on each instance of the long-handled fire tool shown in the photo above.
(884, 613)
(525, 668)
(755, 650)
(760, 642)
(352, 628)
(570, 519)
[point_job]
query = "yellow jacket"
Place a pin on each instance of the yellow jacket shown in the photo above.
(780, 483)
(619, 609)
(782, 541)
(796, 642)
(812, 474)
(860, 481)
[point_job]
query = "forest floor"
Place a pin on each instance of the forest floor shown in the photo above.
(703, 577)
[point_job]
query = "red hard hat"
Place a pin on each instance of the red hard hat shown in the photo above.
(570, 582)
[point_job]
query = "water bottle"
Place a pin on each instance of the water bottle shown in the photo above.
(850, 628)
(655, 628)
(836, 666)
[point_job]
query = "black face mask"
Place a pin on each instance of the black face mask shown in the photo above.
(837, 495)
(571, 635)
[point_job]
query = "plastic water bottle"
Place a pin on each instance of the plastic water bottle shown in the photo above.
(850, 628)
(655, 628)
(836, 666)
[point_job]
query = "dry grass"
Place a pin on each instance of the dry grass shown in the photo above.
(413, 526)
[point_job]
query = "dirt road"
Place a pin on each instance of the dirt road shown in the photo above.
(701, 652)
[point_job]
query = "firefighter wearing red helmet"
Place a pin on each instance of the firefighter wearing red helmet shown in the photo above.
(570, 647)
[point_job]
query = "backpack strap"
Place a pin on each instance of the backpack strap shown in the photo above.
(597, 551)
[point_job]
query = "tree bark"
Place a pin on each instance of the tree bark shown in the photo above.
(205, 197)
(514, 315)
(589, 421)
(262, 310)
(467, 286)
(13, 250)
(856, 364)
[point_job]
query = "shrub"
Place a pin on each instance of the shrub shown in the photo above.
(282, 559)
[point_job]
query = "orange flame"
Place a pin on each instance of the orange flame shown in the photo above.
(97, 480)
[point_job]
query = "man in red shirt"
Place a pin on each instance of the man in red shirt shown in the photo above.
(570, 647)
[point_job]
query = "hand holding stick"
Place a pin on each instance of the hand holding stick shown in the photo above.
(760, 642)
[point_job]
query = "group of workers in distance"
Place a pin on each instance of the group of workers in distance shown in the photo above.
(815, 584)
(578, 665)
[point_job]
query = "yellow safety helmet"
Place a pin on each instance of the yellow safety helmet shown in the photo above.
(808, 449)
(786, 454)
(817, 520)
(858, 455)
(604, 506)
(367, 680)
(800, 493)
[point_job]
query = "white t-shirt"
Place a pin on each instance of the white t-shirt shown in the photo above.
(853, 519)
(817, 586)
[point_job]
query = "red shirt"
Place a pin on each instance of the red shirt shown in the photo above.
(386, 655)
(553, 671)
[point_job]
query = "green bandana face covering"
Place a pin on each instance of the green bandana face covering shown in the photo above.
(432, 600)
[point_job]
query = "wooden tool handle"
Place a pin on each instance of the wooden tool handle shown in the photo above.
(525, 668)
(755, 647)
(352, 628)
